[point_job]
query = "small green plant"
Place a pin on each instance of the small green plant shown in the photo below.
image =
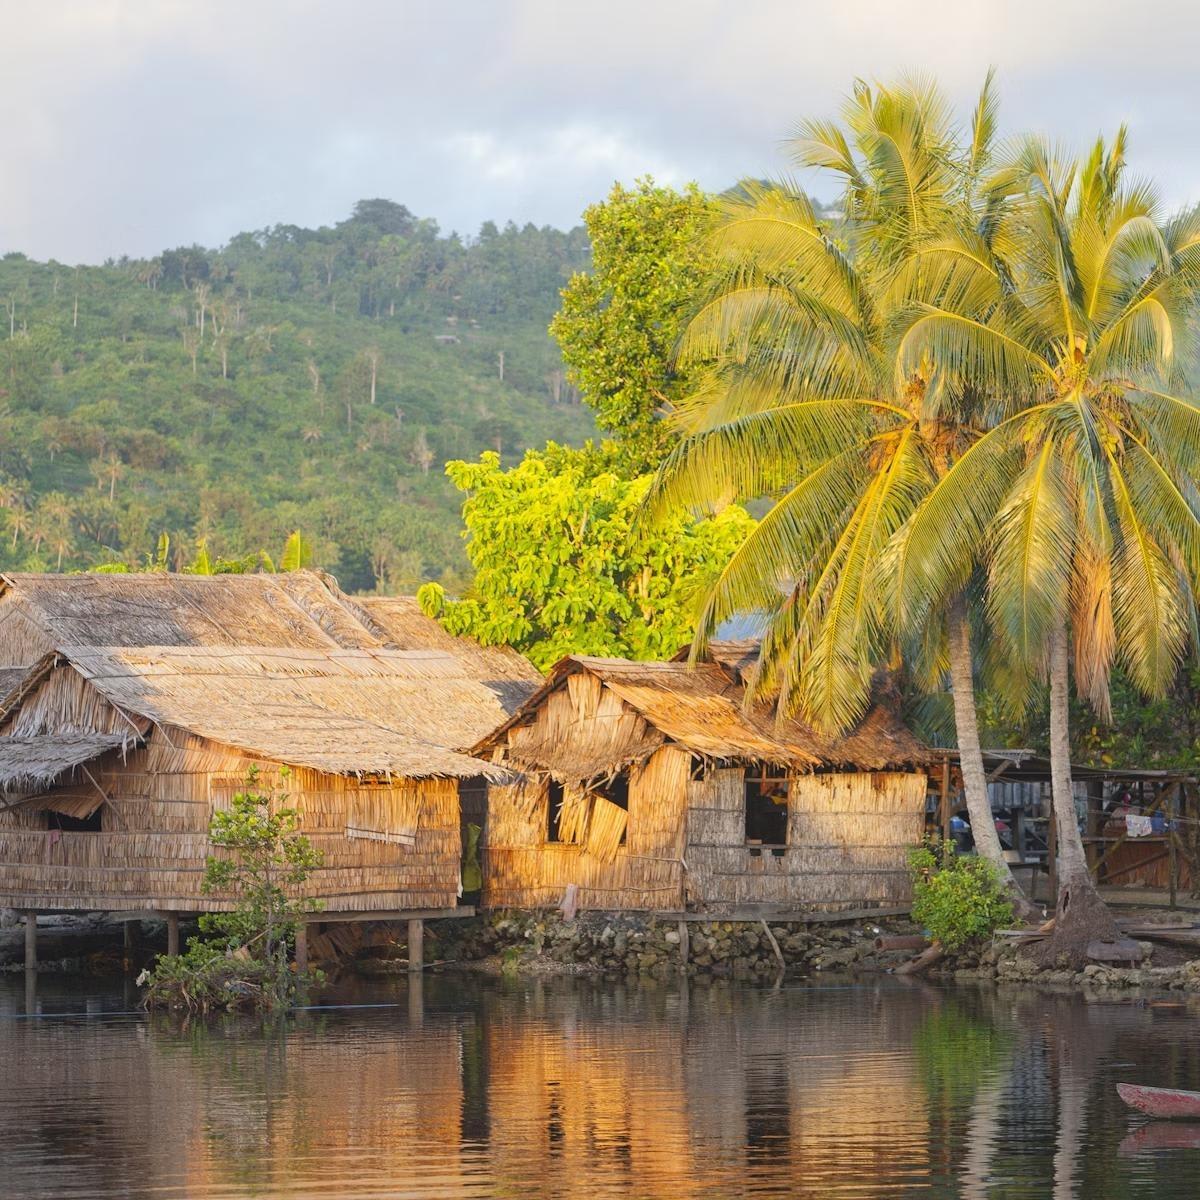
(958, 898)
(241, 958)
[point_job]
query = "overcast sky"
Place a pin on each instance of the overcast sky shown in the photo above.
(133, 125)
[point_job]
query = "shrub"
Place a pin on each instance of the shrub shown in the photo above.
(241, 958)
(957, 898)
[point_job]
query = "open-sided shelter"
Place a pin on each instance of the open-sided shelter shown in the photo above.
(654, 786)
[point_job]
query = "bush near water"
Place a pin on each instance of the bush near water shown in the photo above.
(957, 898)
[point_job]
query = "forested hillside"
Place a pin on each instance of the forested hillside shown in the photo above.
(294, 378)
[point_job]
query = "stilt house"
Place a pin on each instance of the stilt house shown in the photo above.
(651, 786)
(134, 706)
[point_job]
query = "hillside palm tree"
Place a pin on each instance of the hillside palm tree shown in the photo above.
(1081, 497)
(801, 400)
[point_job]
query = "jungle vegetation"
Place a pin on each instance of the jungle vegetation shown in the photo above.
(293, 378)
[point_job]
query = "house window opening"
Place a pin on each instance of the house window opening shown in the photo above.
(554, 803)
(766, 807)
(616, 791)
(66, 824)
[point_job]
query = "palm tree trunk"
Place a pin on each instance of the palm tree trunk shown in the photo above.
(1073, 867)
(970, 753)
(1080, 916)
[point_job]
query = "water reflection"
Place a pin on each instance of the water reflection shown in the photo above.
(471, 1087)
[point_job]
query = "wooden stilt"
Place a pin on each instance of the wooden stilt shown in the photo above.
(31, 941)
(416, 945)
(685, 946)
(416, 1001)
(172, 933)
(302, 947)
(133, 943)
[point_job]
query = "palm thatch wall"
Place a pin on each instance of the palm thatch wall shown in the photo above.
(387, 843)
(686, 739)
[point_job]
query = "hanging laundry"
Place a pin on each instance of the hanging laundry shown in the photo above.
(1138, 825)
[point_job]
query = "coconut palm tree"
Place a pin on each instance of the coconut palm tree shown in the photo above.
(801, 400)
(1080, 498)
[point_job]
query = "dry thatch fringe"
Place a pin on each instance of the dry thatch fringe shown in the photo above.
(30, 764)
(303, 610)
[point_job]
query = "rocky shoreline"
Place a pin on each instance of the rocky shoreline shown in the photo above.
(624, 944)
(630, 943)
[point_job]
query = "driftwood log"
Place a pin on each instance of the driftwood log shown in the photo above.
(934, 953)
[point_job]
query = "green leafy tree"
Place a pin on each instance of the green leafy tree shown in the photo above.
(273, 385)
(619, 323)
(562, 565)
(264, 860)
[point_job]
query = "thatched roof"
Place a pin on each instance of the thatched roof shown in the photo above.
(346, 712)
(284, 665)
(153, 609)
(401, 623)
(702, 708)
(301, 609)
(10, 679)
(341, 711)
(29, 764)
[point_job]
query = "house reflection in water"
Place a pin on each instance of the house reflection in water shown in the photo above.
(537, 1087)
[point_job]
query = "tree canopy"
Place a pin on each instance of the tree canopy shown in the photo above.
(619, 322)
(562, 565)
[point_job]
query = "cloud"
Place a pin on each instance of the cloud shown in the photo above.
(138, 124)
(577, 148)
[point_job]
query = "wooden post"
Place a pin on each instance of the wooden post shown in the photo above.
(685, 946)
(416, 944)
(133, 943)
(172, 933)
(946, 813)
(416, 1001)
(302, 947)
(31, 941)
(1173, 867)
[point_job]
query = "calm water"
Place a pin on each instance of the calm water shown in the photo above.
(573, 1087)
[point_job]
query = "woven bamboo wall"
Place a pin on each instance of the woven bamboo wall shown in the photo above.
(151, 853)
(522, 870)
(848, 837)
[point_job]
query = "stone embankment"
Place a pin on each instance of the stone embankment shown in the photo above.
(638, 944)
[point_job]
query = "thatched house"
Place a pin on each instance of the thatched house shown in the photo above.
(652, 786)
(149, 697)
